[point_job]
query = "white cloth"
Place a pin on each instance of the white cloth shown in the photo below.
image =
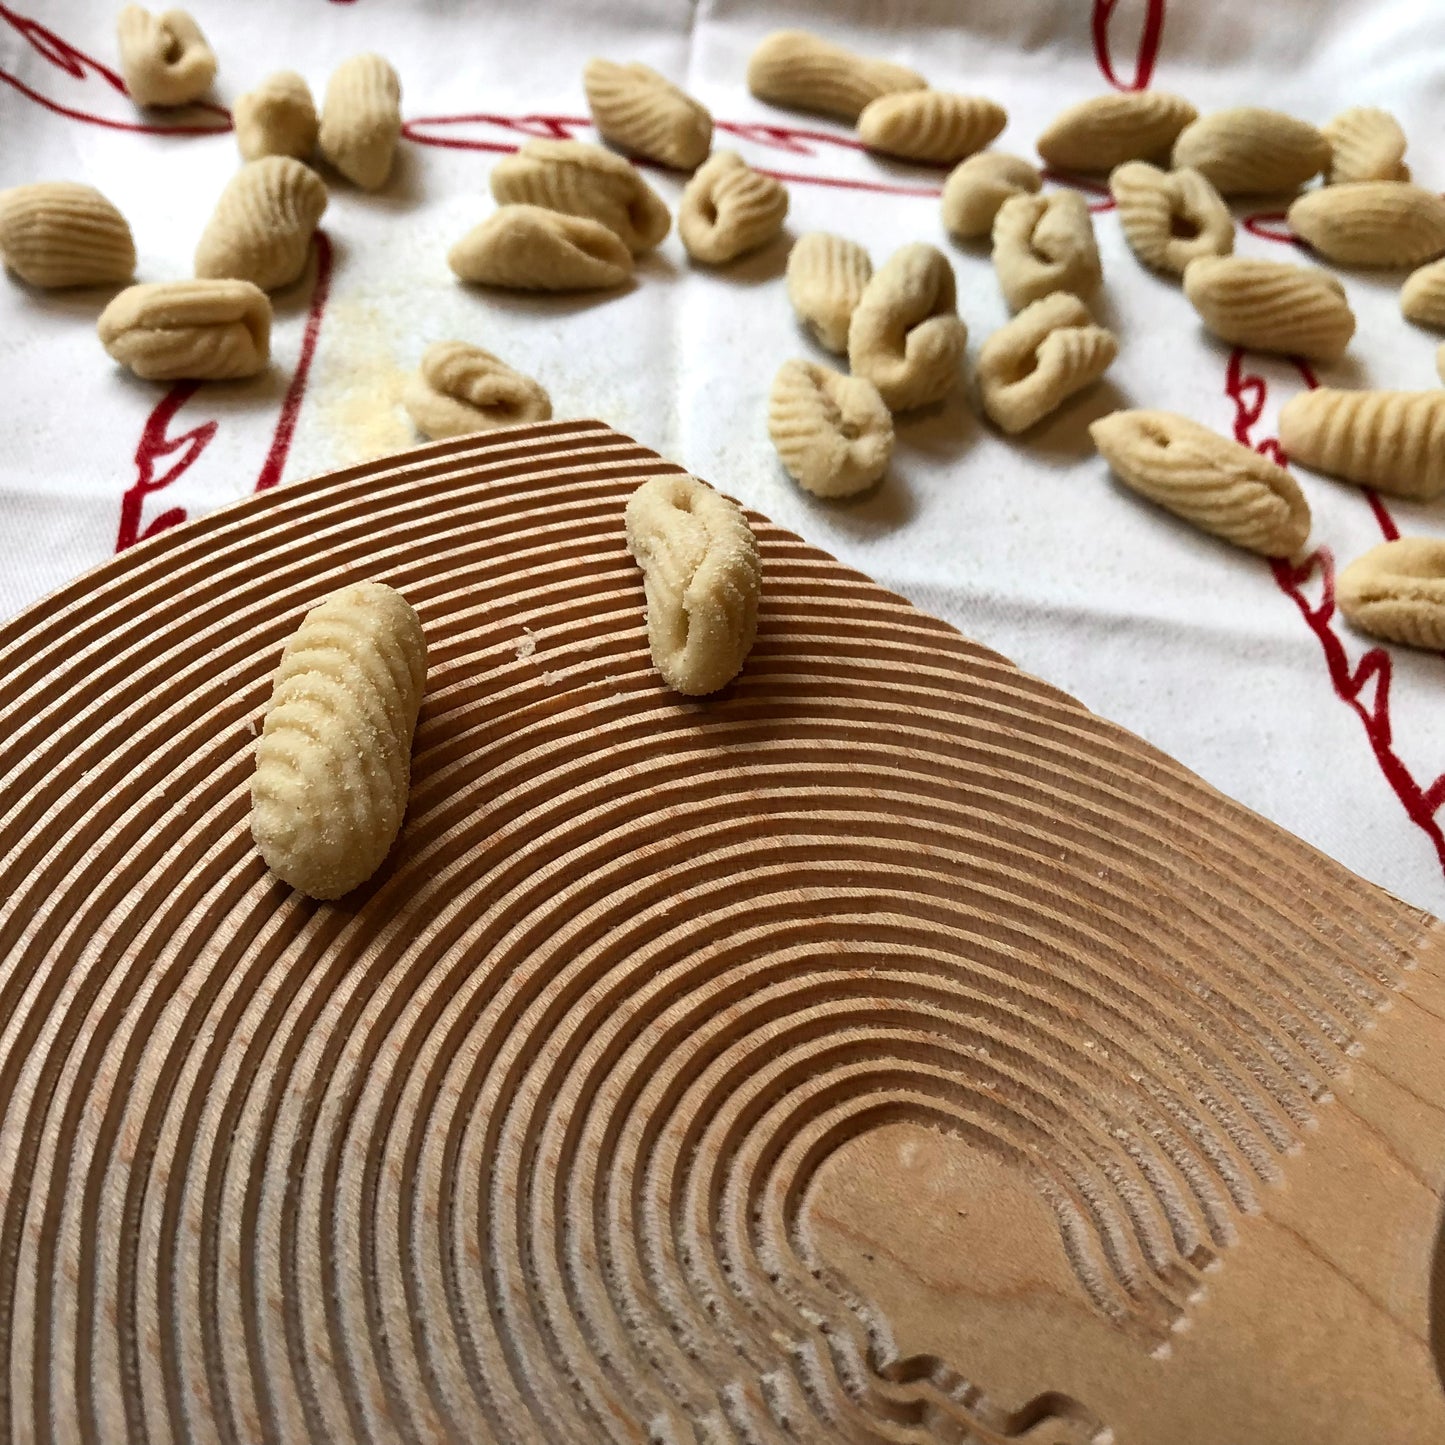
(1027, 545)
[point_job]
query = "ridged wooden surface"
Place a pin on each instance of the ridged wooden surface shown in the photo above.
(883, 1049)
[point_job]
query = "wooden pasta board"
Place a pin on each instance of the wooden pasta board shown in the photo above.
(883, 1049)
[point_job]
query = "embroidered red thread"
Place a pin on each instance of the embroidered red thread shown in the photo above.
(80, 66)
(1147, 52)
(1421, 802)
(1272, 226)
(795, 140)
(275, 461)
(154, 447)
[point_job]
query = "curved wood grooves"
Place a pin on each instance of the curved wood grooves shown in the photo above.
(523, 1141)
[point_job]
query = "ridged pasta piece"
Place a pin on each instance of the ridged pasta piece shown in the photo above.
(189, 330)
(1170, 217)
(1393, 441)
(1372, 223)
(1043, 244)
(1397, 591)
(636, 108)
(333, 763)
(1029, 367)
(164, 59)
(361, 120)
(461, 389)
(833, 432)
(1271, 306)
(278, 118)
(1366, 144)
(906, 335)
(826, 278)
(584, 180)
(1215, 483)
(798, 69)
(702, 577)
(1106, 130)
(262, 226)
(61, 233)
(729, 209)
(1422, 297)
(977, 187)
(930, 125)
(1250, 150)
(528, 248)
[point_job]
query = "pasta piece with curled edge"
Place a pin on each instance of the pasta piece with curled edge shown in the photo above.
(61, 233)
(1106, 130)
(1043, 244)
(361, 120)
(1170, 217)
(1216, 483)
(906, 335)
(729, 209)
(462, 389)
(803, 71)
(1366, 144)
(1251, 150)
(977, 187)
(826, 278)
(929, 125)
(636, 108)
(262, 226)
(1372, 223)
(833, 432)
(1422, 297)
(528, 248)
(1029, 367)
(584, 180)
(278, 118)
(1271, 306)
(189, 330)
(702, 577)
(164, 59)
(1397, 591)
(333, 763)
(1393, 441)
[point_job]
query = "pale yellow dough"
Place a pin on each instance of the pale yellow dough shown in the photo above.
(164, 59)
(361, 120)
(461, 389)
(826, 278)
(799, 69)
(61, 233)
(833, 432)
(729, 209)
(1032, 365)
(1393, 441)
(1106, 130)
(584, 180)
(529, 248)
(333, 763)
(643, 112)
(262, 226)
(1397, 591)
(702, 577)
(906, 335)
(277, 118)
(189, 330)
(1212, 481)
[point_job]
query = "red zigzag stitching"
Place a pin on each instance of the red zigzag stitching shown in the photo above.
(1421, 802)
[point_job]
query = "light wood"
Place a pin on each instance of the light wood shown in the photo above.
(883, 1049)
